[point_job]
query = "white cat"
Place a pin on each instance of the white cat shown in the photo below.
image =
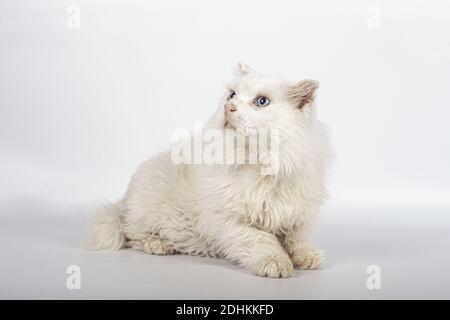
(236, 211)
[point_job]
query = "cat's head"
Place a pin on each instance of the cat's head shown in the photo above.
(255, 101)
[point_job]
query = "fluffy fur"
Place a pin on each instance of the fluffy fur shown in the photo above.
(262, 222)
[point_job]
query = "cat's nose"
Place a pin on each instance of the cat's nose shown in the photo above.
(229, 107)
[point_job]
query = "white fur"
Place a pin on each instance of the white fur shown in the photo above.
(262, 222)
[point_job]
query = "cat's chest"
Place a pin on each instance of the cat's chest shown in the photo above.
(269, 205)
(261, 201)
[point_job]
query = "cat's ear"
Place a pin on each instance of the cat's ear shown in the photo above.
(243, 69)
(303, 92)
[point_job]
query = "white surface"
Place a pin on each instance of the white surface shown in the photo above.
(413, 258)
(80, 109)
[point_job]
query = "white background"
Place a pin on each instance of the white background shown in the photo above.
(81, 108)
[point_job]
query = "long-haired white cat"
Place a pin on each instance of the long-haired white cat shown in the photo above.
(259, 214)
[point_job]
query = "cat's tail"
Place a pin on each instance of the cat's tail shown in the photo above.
(105, 229)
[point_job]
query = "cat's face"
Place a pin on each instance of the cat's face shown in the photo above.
(254, 101)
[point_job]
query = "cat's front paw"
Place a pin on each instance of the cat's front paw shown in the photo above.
(275, 267)
(307, 258)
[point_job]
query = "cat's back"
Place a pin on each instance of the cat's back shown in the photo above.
(157, 180)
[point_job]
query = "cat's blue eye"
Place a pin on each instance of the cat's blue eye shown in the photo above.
(232, 95)
(262, 101)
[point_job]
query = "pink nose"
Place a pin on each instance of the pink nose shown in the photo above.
(229, 107)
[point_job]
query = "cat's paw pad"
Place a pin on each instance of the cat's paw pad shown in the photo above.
(308, 259)
(275, 268)
(155, 247)
(152, 245)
